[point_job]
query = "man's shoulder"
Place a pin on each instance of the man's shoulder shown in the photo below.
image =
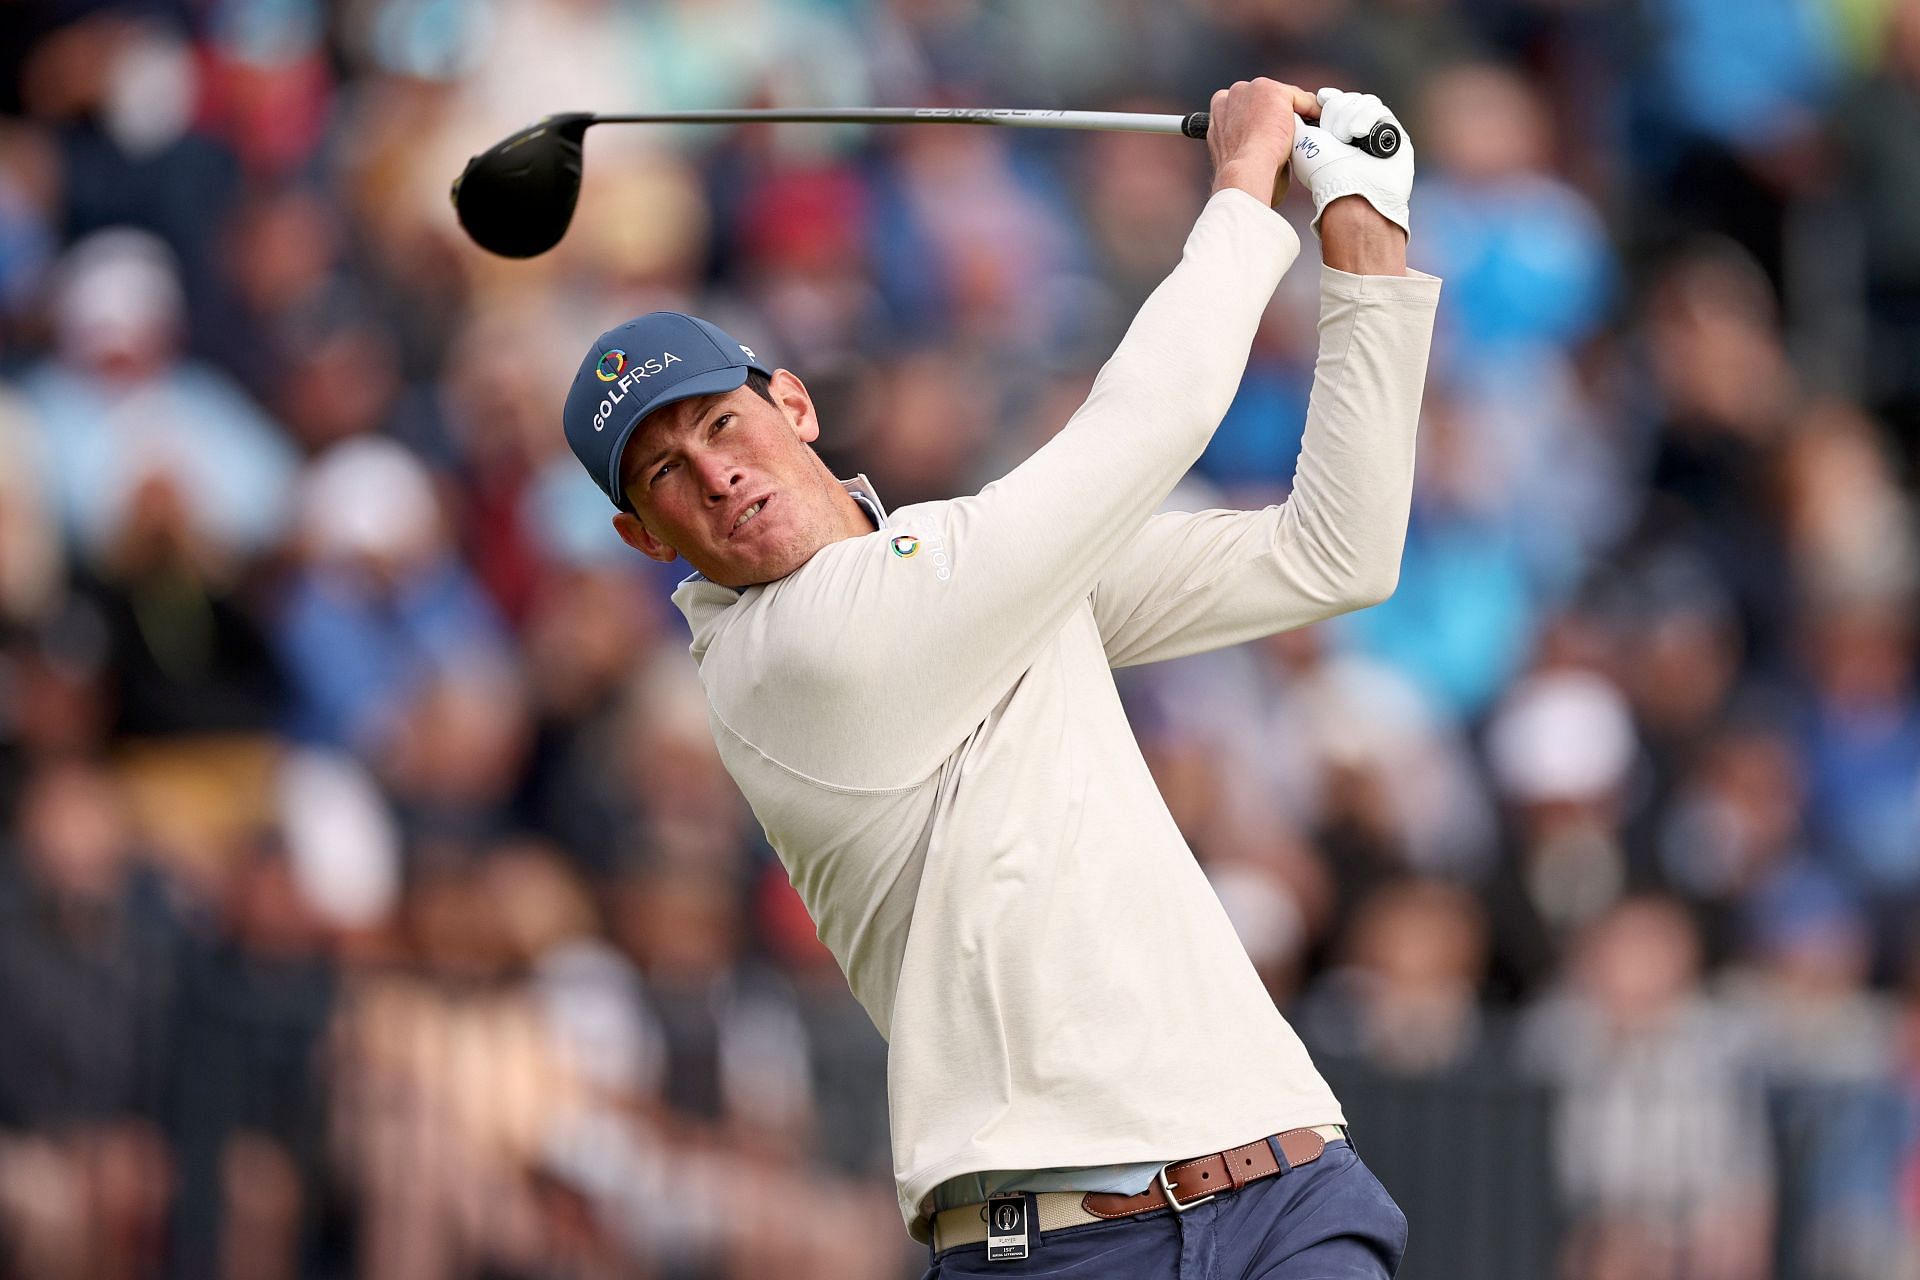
(847, 579)
(854, 604)
(919, 512)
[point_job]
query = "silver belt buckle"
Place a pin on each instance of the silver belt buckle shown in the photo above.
(1173, 1201)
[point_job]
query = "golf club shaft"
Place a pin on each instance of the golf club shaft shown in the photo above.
(1193, 126)
(1384, 139)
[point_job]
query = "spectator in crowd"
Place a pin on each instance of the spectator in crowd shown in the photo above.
(1405, 999)
(1678, 639)
(118, 404)
(116, 90)
(1659, 1128)
(1731, 103)
(282, 264)
(446, 1083)
(1562, 750)
(84, 997)
(975, 249)
(1726, 396)
(1881, 173)
(1528, 266)
(1736, 821)
(381, 605)
(735, 1051)
(715, 1076)
(580, 644)
(800, 236)
(1861, 738)
(1532, 279)
(246, 1097)
(1823, 1041)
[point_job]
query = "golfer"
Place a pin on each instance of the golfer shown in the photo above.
(1085, 1075)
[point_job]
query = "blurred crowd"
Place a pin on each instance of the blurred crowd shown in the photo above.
(372, 902)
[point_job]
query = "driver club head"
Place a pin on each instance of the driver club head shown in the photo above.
(517, 197)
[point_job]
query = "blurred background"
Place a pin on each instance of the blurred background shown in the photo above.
(372, 902)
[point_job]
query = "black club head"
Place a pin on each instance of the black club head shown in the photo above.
(517, 197)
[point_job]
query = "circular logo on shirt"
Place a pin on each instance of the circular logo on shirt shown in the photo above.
(905, 545)
(611, 363)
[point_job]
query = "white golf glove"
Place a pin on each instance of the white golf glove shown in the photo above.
(1332, 167)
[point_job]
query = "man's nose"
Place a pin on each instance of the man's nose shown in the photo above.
(719, 476)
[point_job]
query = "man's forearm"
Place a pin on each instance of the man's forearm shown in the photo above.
(1355, 238)
(1342, 530)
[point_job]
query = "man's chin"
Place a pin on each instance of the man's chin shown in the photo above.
(756, 572)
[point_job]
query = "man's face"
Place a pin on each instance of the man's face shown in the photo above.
(728, 482)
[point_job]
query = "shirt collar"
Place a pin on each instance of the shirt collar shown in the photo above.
(861, 489)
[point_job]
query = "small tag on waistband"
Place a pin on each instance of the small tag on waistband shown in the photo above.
(1007, 1227)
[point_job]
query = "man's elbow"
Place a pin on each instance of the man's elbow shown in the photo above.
(1338, 574)
(1374, 586)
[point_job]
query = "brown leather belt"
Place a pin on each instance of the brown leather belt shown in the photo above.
(1179, 1187)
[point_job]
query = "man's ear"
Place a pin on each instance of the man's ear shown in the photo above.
(640, 538)
(796, 406)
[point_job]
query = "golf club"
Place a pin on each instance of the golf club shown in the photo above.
(517, 197)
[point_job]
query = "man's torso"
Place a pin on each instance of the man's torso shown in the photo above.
(1023, 921)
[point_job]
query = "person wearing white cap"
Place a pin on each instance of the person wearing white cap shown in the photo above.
(119, 404)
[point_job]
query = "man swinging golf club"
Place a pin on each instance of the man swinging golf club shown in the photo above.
(1085, 1075)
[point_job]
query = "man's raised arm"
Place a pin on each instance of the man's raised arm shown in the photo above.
(1015, 560)
(1196, 581)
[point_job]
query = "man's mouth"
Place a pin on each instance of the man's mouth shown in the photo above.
(747, 515)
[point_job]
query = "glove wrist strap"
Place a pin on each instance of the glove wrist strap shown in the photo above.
(1394, 213)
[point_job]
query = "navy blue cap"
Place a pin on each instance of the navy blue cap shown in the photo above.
(636, 368)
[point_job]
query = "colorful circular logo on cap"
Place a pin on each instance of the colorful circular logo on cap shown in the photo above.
(905, 545)
(611, 363)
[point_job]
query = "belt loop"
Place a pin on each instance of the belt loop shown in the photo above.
(1273, 1140)
(1352, 1146)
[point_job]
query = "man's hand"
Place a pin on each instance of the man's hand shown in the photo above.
(1336, 171)
(1250, 135)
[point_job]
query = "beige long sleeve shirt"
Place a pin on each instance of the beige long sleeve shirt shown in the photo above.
(925, 722)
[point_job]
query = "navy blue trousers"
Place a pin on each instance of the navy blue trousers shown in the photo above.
(1329, 1220)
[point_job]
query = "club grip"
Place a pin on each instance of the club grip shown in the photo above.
(1382, 140)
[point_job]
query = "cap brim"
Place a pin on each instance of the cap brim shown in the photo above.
(700, 384)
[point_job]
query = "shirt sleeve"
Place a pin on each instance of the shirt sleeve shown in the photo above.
(991, 577)
(1193, 581)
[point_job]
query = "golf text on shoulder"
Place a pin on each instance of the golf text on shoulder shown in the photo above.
(928, 543)
(615, 368)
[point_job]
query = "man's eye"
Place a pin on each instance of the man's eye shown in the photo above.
(722, 421)
(661, 473)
